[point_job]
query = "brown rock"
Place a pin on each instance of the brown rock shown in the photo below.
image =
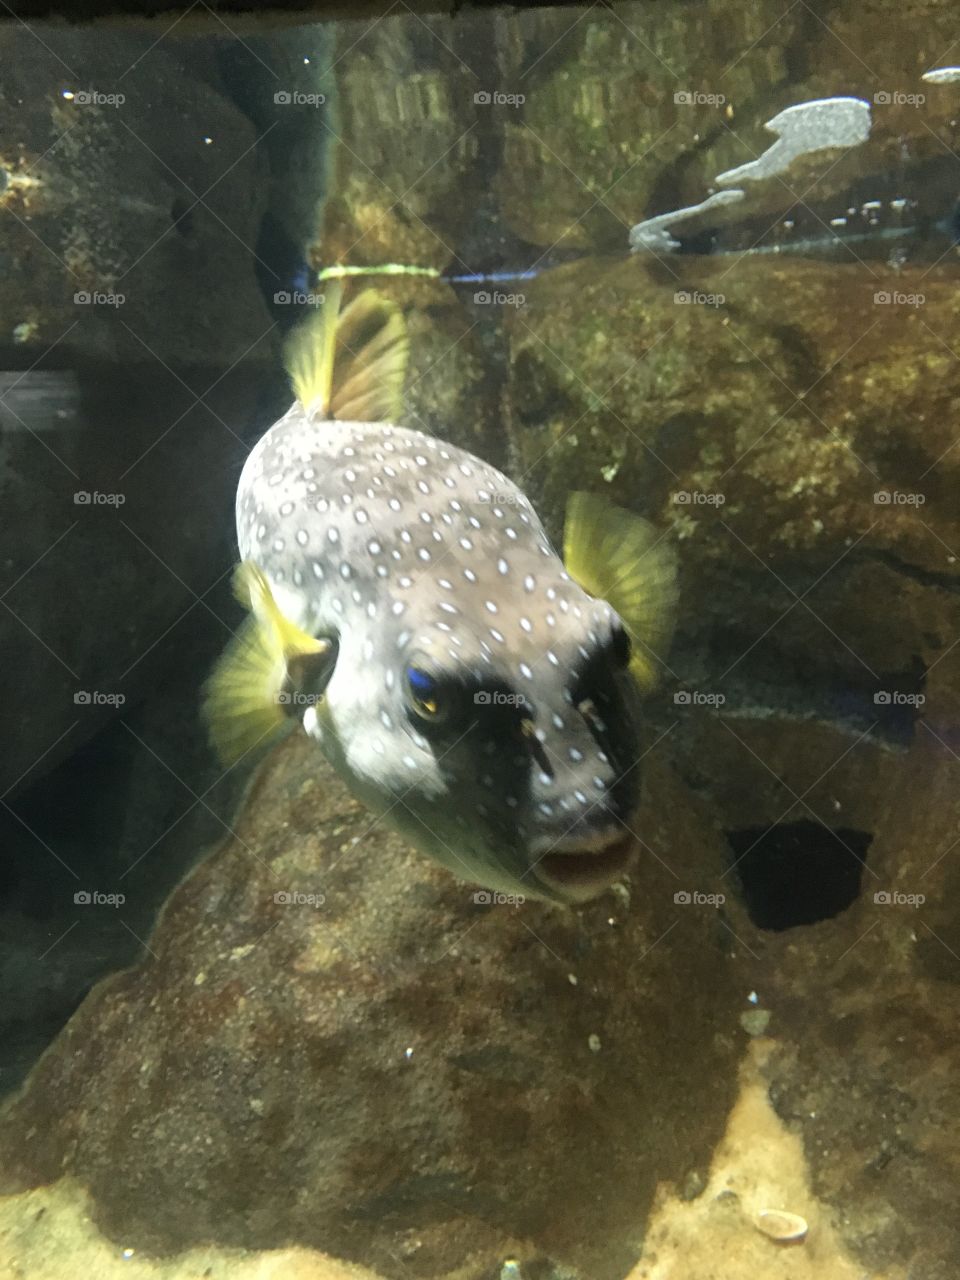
(401, 1076)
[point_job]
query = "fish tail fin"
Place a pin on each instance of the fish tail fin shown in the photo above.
(350, 364)
(624, 560)
(247, 699)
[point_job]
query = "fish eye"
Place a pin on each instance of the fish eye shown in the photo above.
(423, 693)
(620, 646)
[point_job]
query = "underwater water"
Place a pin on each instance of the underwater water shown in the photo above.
(252, 1023)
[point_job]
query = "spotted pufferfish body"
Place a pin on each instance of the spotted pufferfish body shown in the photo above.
(478, 699)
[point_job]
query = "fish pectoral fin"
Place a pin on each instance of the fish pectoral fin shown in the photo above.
(249, 696)
(350, 364)
(623, 559)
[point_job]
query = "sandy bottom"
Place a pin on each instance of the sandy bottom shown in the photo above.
(48, 1234)
(758, 1166)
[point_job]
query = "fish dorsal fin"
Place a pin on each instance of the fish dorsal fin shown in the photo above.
(621, 558)
(309, 352)
(350, 364)
(250, 695)
(371, 360)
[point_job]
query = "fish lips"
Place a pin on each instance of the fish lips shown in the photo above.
(577, 869)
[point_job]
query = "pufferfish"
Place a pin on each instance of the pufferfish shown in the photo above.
(408, 610)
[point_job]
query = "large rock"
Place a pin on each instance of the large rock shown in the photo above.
(402, 1075)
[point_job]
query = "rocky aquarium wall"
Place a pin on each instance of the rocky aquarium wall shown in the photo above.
(246, 1029)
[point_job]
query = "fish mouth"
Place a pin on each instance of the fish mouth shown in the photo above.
(577, 872)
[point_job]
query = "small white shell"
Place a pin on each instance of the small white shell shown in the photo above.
(780, 1225)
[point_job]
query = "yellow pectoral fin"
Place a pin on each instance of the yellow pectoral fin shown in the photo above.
(248, 696)
(241, 703)
(624, 560)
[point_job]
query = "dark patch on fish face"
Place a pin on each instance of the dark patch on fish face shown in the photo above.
(538, 777)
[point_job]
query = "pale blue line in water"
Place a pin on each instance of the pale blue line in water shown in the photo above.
(494, 277)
